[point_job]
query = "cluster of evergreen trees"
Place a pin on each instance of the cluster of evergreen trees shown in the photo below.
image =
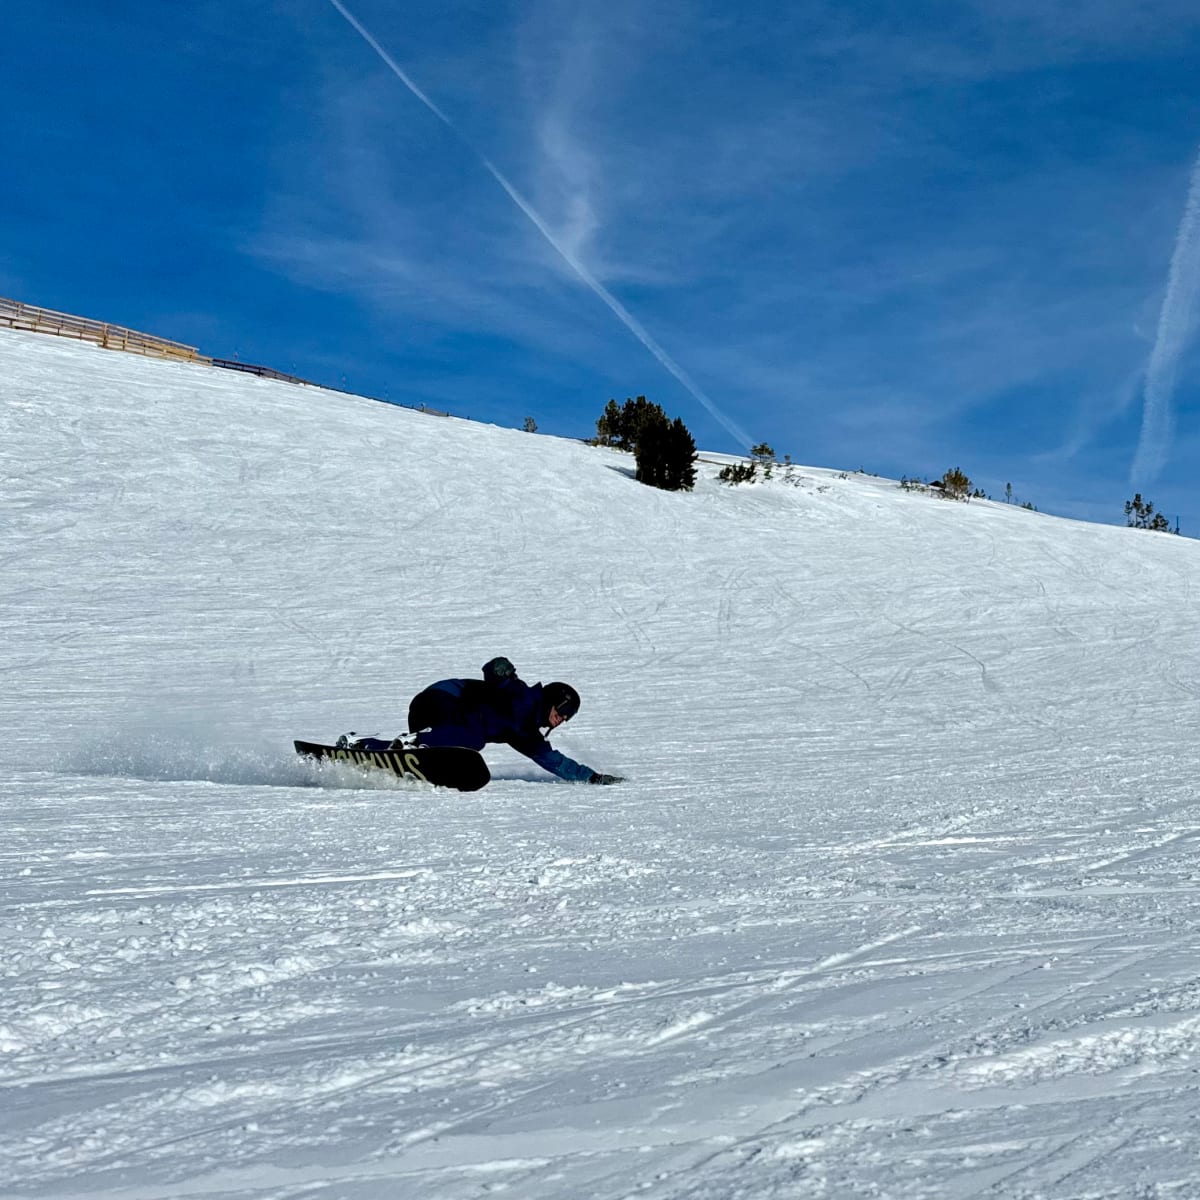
(1140, 514)
(664, 450)
(666, 458)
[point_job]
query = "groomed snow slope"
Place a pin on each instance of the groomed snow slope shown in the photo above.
(900, 897)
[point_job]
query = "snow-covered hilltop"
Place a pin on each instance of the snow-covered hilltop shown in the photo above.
(899, 897)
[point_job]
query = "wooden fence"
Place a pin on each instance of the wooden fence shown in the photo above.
(16, 315)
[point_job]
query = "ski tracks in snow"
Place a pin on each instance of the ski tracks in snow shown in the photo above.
(831, 1134)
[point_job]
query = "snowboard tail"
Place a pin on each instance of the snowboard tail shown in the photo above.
(443, 766)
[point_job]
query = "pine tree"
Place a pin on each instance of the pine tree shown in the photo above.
(740, 472)
(638, 414)
(651, 451)
(666, 454)
(764, 456)
(608, 427)
(1140, 514)
(955, 484)
(620, 426)
(680, 458)
(664, 449)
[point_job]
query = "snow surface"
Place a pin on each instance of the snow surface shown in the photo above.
(900, 898)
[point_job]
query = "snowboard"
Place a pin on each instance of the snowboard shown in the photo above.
(443, 766)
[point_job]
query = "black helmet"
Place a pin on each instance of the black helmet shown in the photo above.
(561, 696)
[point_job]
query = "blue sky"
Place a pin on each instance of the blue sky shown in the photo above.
(898, 237)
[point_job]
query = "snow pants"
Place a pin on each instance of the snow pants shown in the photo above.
(440, 717)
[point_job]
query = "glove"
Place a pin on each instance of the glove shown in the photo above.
(596, 777)
(498, 669)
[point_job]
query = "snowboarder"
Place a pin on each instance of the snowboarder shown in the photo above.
(499, 708)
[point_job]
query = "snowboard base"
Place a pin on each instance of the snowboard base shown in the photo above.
(443, 766)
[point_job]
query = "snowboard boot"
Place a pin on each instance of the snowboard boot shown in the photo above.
(352, 740)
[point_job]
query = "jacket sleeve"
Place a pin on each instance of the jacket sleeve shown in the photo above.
(552, 760)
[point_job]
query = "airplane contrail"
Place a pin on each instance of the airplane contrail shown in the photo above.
(622, 314)
(1176, 325)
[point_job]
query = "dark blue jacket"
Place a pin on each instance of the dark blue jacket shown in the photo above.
(502, 710)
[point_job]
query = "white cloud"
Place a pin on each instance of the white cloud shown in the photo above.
(1176, 328)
